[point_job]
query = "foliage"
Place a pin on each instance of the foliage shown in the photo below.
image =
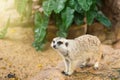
(68, 11)
(41, 22)
(65, 13)
(24, 7)
(4, 31)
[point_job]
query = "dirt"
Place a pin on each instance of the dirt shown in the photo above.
(20, 61)
(18, 56)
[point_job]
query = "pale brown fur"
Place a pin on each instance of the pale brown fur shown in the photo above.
(81, 50)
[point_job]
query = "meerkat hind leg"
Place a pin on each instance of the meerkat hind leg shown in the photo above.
(96, 65)
(85, 64)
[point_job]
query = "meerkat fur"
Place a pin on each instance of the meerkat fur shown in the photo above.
(78, 51)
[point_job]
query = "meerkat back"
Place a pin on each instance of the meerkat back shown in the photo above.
(90, 48)
(88, 42)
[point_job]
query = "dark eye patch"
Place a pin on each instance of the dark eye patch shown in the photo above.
(66, 44)
(59, 42)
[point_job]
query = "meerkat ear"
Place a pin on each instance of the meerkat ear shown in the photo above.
(66, 44)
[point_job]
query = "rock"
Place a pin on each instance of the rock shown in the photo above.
(117, 30)
(110, 35)
(95, 27)
(76, 31)
(101, 35)
(116, 45)
(107, 42)
(98, 30)
(49, 74)
(52, 30)
(73, 32)
(106, 49)
(111, 57)
(112, 63)
(112, 10)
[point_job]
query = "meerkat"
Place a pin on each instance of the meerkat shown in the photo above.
(78, 51)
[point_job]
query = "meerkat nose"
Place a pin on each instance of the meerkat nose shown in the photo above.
(54, 46)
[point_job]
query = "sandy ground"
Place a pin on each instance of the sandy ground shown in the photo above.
(19, 57)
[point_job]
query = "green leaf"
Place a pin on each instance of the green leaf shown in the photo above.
(67, 17)
(48, 7)
(62, 34)
(71, 3)
(90, 15)
(78, 8)
(85, 4)
(21, 6)
(99, 3)
(64, 21)
(59, 5)
(58, 20)
(4, 31)
(61, 31)
(24, 8)
(78, 18)
(41, 23)
(103, 19)
(29, 9)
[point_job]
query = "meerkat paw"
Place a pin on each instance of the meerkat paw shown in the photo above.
(83, 65)
(70, 73)
(96, 66)
(67, 73)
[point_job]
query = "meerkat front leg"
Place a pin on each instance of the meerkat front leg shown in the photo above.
(67, 64)
(72, 67)
(69, 67)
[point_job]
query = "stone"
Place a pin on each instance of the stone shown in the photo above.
(95, 27)
(76, 31)
(117, 45)
(101, 35)
(117, 30)
(111, 8)
(49, 74)
(52, 30)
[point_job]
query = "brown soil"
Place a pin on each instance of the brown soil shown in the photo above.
(20, 61)
(19, 57)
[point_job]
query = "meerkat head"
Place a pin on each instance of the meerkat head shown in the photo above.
(59, 43)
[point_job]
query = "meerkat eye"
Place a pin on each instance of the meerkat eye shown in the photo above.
(53, 41)
(59, 42)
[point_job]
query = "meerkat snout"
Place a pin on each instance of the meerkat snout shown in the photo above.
(54, 46)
